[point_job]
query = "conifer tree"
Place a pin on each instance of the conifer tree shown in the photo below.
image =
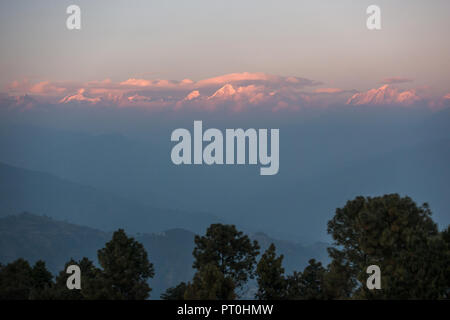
(395, 234)
(232, 252)
(270, 276)
(210, 283)
(126, 267)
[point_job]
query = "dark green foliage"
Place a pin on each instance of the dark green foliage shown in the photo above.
(446, 237)
(307, 285)
(229, 250)
(293, 286)
(125, 272)
(175, 293)
(338, 280)
(210, 283)
(16, 280)
(312, 281)
(20, 281)
(270, 276)
(398, 236)
(41, 281)
(126, 268)
(93, 283)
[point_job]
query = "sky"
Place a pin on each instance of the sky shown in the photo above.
(325, 41)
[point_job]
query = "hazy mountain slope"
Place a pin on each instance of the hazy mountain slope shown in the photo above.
(325, 160)
(26, 190)
(36, 237)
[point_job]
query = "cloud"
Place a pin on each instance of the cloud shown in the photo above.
(234, 78)
(46, 87)
(437, 104)
(396, 80)
(40, 88)
(328, 90)
(236, 92)
(385, 95)
(136, 82)
(19, 102)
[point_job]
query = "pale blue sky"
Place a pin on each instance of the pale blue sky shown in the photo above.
(324, 40)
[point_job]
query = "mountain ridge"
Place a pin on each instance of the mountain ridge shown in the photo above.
(35, 191)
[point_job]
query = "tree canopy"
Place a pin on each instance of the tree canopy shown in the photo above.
(232, 252)
(395, 234)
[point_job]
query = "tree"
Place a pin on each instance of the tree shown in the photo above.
(16, 280)
(309, 284)
(210, 283)
(312, 280)
(270, 276)
(126, 267)
(229, 250)
(94, 285)
(175, 293)
(446, 238)
(293, 286)
(338, 281)
(41, 281)
(20, 281)
(395, 234)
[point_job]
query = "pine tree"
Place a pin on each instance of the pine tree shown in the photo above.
(229, 250)
(126, 267)
(338, 280)
(309, 284)
(94, 285)
(210, 283)
(398, 236)
(41, 281)
(175, 293)
(270, 276)
(16, 280)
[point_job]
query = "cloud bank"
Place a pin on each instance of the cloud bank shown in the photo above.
(235, 92)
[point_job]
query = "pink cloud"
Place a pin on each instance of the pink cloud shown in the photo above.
(233, 77)
(136, 82)
(14, 85)
(328, 90)
(46, 87)
(234, 92)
